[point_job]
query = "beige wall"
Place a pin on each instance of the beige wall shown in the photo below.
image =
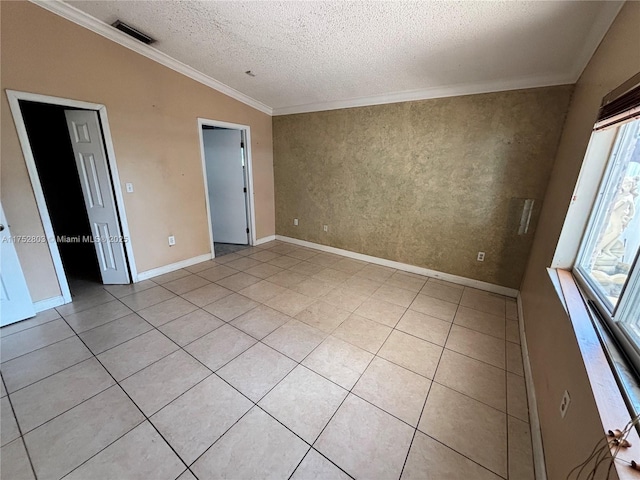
(429, 183)
(153, 115)
(555, 358)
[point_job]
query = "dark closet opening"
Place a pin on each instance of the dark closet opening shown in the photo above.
(53, 154)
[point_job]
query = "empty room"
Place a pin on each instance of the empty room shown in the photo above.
(320, 240)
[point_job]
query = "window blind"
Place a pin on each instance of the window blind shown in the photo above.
(621, 105)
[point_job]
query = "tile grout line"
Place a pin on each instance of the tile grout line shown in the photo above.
(465, 456)
(472, 398)
(88, 349)
(42, 348)
(29, 328)
(506, 388)
(21, 436)
(409, 369)
(323, 456)
(294, 433)
(213, 372)
(261, 341)
(424, 405)
(255, 404)
(137, 425)
(350, 391)
(114, 379)
(82, 308)
(156, 327)
(421, 339)
(52, 374)
(477, 359)
(70, 408)
(156, 361)
(202, 308)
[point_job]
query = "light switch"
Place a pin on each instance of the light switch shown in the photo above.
(129, 187)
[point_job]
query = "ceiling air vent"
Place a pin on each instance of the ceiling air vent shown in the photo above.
(132, 32)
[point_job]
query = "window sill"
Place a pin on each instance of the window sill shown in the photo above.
(555, 281)
(610, 402)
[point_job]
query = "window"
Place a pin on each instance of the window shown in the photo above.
(607, 264)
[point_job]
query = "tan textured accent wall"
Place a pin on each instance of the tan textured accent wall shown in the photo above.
(555, 358)
(429, 183)
(153, 115)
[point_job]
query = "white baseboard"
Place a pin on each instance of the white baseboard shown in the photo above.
(48, 303)
(154, 272)
(534, 419)
(467, 282)
(262, 240)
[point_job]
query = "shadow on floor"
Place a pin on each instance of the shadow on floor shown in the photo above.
(226, 248)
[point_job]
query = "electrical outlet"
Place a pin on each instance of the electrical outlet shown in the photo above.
(129, 187)
(295, 222)
(481, 256)
(325, 228)
(172, 240)
(564, 404)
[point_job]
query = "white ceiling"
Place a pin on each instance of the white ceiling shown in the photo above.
(330, 54)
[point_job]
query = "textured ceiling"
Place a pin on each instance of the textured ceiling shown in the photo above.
(316, 55)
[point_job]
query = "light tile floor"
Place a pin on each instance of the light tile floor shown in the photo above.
(271, 362)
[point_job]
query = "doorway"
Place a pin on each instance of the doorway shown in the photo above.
(53, 154)
(226, 163)
(68, 158)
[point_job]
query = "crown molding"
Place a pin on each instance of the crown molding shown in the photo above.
(599, 29)
(85, 20)
(430, 93)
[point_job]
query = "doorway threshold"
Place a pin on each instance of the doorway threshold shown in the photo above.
(226, 248)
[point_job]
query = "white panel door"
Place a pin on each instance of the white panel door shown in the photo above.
(226, 183)
(15, 299)
(91, 161)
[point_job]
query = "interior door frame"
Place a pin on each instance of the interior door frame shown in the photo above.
(14, 98)
(246, 131)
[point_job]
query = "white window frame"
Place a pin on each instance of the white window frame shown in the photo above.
(612, 316)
